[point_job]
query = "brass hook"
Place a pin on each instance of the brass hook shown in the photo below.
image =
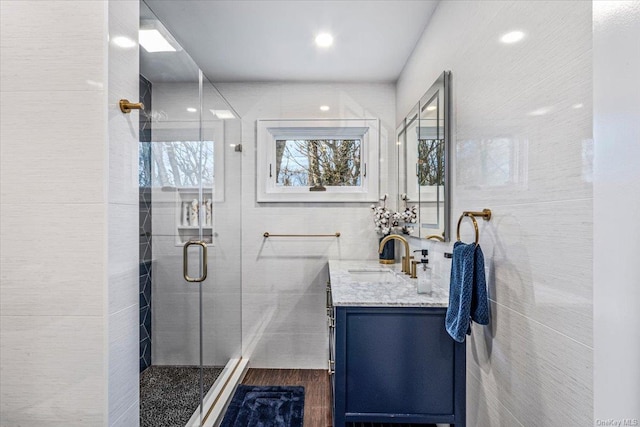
(126, 106)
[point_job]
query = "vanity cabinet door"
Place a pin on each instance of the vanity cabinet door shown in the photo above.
(397, 364)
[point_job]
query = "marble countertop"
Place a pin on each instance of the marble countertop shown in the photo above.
(400, 291)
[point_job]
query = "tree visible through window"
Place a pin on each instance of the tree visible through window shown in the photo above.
(431, 162)
(318, 162)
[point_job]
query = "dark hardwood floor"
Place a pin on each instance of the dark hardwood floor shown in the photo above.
(317, 400)
(317, 397)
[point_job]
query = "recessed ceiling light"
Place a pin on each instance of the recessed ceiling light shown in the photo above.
(324, 108)
(152, 41)
(223, 114)
(324, 39)
(576, 106)
(431, 107)
(512, 37)
(124, 42)
(192, 110)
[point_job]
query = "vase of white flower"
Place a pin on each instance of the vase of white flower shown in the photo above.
(385, 221)
(388, 255)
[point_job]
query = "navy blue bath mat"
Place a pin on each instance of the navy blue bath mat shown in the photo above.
(260, 406)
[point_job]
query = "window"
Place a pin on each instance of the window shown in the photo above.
(317, 160)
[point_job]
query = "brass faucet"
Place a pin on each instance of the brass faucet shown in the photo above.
(407, 250)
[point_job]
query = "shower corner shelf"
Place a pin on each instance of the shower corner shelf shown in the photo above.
(184, 233)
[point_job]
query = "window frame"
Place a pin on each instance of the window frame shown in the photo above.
(271, 130)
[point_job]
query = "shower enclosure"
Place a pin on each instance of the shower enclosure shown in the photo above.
(190, 253)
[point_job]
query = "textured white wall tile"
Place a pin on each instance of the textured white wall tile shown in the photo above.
(123, 266)
(435, 52)
(304, 351)
(486, 409)
(124, 289)
(51, 153)
(60, 45)
(123, 211)
(123, 236)
(54, 152)
(52, 370)
(523, 157)
(124, 59)
(522, 273)
(123, 361)
(521, 128)
(541, 376)
(616, 55)
(123, 153)
(49, 266)
(293, 313)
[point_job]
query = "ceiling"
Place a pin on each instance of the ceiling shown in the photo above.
(252, 40)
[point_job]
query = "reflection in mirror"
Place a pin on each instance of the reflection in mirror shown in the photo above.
(423, 143)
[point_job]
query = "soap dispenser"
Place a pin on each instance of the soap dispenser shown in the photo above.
(424, 273)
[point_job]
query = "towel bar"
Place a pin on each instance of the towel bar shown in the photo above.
(485, 214)
(267, 235)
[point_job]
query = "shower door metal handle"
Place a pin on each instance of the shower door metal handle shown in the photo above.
(185, 261)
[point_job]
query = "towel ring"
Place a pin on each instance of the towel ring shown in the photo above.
(475, 225)
(485, 214)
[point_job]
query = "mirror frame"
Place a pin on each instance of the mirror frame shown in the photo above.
(442, 83)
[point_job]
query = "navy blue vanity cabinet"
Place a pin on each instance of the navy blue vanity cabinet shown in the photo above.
(397, 364)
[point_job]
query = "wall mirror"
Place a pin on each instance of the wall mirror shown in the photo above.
(423, 139)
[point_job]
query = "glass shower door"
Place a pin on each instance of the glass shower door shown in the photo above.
(178, 167)
(189, 240)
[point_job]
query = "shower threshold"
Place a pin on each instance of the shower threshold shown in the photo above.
(218, 397)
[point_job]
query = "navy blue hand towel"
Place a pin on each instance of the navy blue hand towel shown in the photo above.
(467, 291)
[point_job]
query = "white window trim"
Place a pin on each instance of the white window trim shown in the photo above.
(271, 130)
